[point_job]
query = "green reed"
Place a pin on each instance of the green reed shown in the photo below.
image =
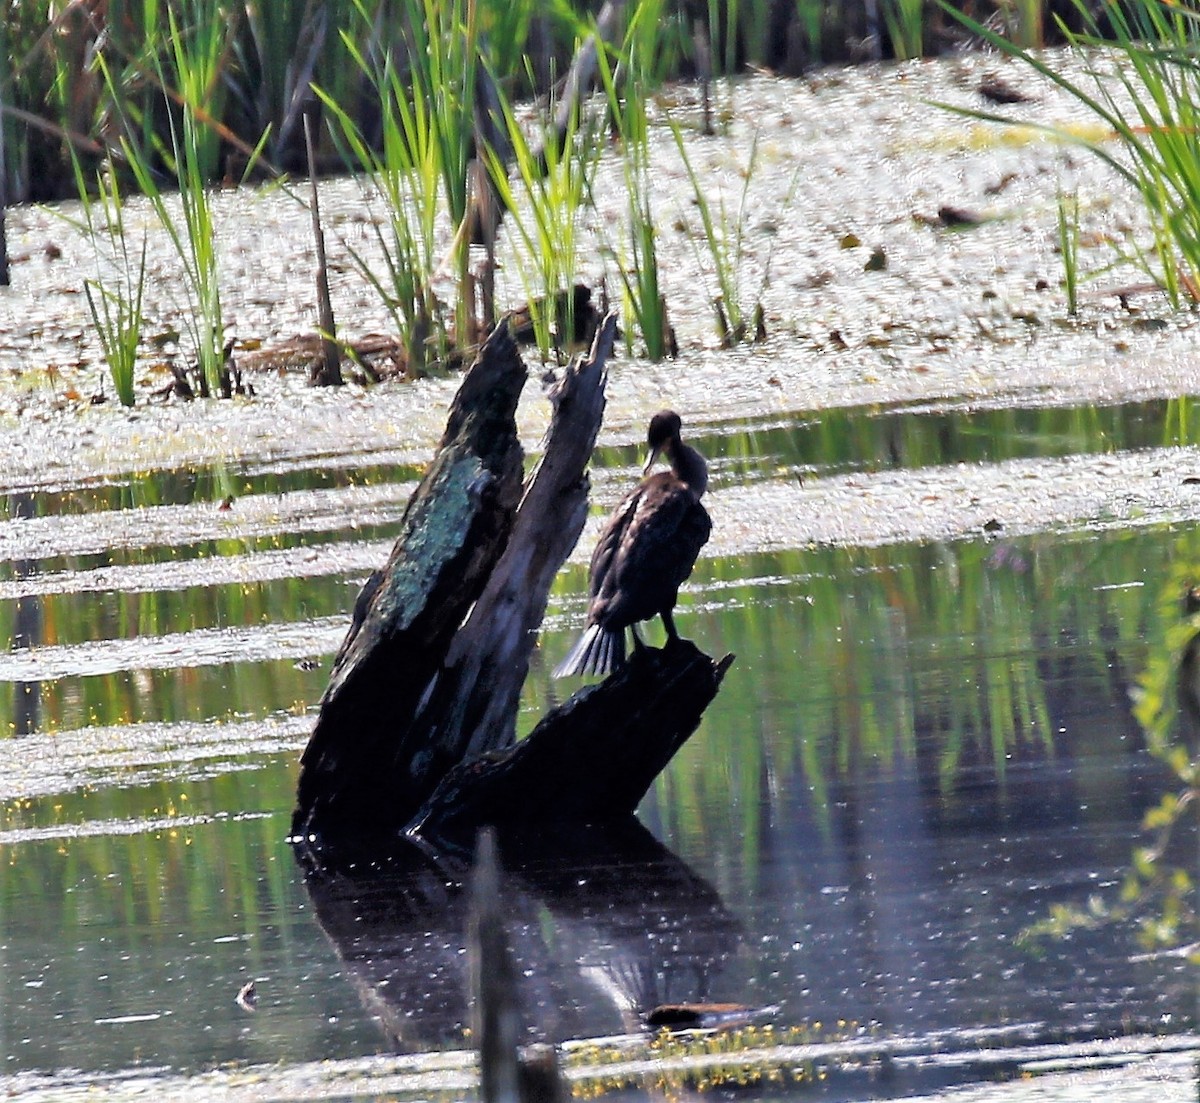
(426, 86)
(739, 316)
(271, 51)
(627, 81)
(544, 194)
(810, 27)
(905, 24)
(192, 234)
(405, 173)
(194, 60)
(724, 241)
(643, 296)
(1025, 22)
(1068, 247)
(198, 53)
(115, 303)
(273, 64)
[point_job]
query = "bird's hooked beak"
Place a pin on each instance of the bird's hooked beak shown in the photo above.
(650, 460)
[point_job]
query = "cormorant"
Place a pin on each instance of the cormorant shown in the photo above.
(646, 549)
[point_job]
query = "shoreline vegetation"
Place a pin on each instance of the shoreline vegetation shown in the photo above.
(91, 75)
(480, 127)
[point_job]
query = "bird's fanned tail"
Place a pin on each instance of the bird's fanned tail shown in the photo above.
(598, 651)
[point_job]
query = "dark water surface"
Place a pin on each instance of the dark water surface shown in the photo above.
(919, 750)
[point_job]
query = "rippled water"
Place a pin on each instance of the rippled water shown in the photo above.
(919, 750)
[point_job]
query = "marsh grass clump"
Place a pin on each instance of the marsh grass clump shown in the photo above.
(115, 295)
(738, 299)
(270, 53)
(194, 54)
(627, 80)
(438, 149)
(905, 24)
(700, 1060)
(419, 97)
(1145, 91)
(545, 195)
(1068, 246)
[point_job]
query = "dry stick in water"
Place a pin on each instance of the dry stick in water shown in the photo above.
(495, 1022)
(328, 371)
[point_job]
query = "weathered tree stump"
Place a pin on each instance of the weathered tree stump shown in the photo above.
(416, 729)
(363, 772)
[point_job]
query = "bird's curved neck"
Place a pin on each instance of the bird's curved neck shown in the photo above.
(689, 467)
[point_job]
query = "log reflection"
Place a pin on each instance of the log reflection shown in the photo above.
(605, 924)
(27, 628)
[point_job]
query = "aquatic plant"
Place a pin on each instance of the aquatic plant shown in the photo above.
(1024, 21)
(1068, 247)
(115, 304)
(270, 51)
(421, 160)
(273, 64)
(197, 52)
(641, 63)
(1145, 88)
(404, 174)
(192, 234)
(186, 79)
(810, 28)
(675, 1063)
(739, 316)
(905, 23)
(643, 296)
(544, 195)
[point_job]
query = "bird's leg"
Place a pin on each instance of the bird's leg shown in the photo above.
(638, 644)
(668, 620)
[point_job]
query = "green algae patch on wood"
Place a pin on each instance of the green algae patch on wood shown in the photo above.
(436, 530)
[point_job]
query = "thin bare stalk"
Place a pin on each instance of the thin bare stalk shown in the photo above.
(328, 372)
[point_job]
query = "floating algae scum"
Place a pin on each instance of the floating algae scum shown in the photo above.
(952, 529)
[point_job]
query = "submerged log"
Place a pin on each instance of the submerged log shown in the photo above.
(417, 729)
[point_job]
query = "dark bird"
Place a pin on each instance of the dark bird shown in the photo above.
(647, 548)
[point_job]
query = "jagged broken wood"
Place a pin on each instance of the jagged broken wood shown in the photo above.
(417, 728)
(362, 770)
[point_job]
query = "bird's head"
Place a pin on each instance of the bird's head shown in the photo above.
(664, 430)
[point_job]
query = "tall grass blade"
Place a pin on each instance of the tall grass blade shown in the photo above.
(1068, 244)
(544, 196)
